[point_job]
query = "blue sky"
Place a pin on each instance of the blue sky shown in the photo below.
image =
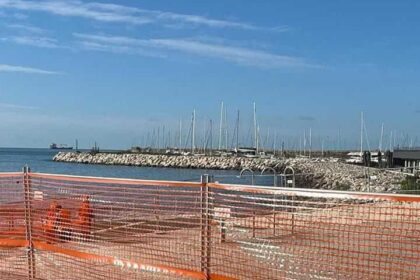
(114, 71)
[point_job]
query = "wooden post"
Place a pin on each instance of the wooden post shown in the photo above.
(28, 222)
(205, 226)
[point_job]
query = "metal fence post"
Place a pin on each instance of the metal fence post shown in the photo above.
(205, 225)
(253, 223)
(29, 222)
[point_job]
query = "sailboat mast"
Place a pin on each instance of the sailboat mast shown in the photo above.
(193, 133)
(361, 133)
(237, 132)
(221, 126)
(394, 141)
(390, 141)
(300, 145)
(274, 143)
(206, 137)
(211, 137)
(310, 142)
(226, 129)
(255, 128)
(158, 138)
(258, 136)
(180, 133)
(163, 137)
(382, 136)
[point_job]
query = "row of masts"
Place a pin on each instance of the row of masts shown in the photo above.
(406, 141)
(227, 138)
(224, 129)
(159, 139)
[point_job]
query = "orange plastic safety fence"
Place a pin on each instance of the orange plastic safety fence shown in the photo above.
(99, 228)
(303, 234)
(130, 227)
(13, 257)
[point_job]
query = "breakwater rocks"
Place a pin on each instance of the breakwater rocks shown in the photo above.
(310, 173)
(195, 162)
(327, 174)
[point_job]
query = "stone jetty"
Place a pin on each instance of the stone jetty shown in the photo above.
(322, 173)
(330, 174)
(149, 160)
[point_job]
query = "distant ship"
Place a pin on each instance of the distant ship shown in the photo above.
(55, 146)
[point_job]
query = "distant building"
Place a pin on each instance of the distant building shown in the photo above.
(408, 158)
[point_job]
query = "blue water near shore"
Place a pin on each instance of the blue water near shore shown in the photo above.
(40, 160)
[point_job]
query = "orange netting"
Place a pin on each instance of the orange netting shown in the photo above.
(71, 227)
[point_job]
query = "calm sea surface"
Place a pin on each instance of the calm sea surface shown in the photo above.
(40, 160)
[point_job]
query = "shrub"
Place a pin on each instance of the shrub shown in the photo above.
(411, 184)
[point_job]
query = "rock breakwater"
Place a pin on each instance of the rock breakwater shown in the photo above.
(147, 160)
(310, 173)
(325, 174)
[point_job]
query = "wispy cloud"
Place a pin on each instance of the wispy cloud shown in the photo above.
(200, 20)
(124, 14)
(27, 28)
(238, 55)
(16, 106)
(40, 42)
(96, 46)
(24, 69)
(94, 11)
